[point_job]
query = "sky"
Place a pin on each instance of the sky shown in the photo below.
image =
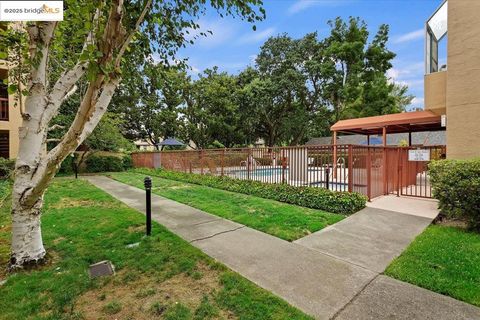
(234, 44)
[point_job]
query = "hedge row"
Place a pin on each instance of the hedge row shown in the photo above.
(108, 163)
(98, 163)
(316, 198)
(456, 184)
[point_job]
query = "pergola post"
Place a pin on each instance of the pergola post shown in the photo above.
(334, 167)
(409, 138)
(385, 171)
(384, 136)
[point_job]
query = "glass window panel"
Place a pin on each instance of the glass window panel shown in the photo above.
(438, 22)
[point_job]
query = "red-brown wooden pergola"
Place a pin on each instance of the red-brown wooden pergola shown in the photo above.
(405, 122)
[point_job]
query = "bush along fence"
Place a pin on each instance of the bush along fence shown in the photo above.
(456, 184)
(98, 163)
(316, 198)
(371, 171)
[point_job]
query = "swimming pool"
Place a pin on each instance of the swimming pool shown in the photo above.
(265, 172)
(316, 177)
(259, 172)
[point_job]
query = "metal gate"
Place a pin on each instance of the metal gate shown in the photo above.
(414, 178)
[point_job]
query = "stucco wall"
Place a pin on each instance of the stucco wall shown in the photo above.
(463, 80)
(15, 119)
(435, 88)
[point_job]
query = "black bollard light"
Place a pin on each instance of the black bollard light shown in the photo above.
(147, 182)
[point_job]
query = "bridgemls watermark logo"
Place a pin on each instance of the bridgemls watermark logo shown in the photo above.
(31, 10)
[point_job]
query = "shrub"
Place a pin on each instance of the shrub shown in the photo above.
(127, 162)
(456, 184)
(67, 166)
(7, 166)
(99, 163)
(316, 198)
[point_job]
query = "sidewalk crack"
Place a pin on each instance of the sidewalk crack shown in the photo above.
(338, 258)
(216, 234)
(353, 298)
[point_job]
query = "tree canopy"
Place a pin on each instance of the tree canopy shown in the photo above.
(296, 89)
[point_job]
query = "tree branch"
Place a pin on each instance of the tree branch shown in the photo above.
(100, 108)
(90, 112)
(132, 33)
(66, 83)
(55, 127)
(40, 35)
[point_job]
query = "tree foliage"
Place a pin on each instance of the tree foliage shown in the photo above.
(296, 89)
(150, 101)
(211, 112)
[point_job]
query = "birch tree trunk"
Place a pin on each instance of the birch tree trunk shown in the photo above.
(27, 245)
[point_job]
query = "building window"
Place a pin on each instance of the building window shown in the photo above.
(4, 144)
(3, 102)
(436, 30)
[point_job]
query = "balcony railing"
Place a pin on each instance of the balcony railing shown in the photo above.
(4, 109)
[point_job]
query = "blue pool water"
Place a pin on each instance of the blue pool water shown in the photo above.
(264, 172)
(276, 174)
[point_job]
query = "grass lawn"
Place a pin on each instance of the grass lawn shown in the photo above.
(282, 220)
(163, 277)
(442, 259)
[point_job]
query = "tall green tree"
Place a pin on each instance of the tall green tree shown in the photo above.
(378, 95)
(357, 84)
(282, 84)
(401, 97)
(150, 101)
(290, 83)
(258, 106)
(345, 48)
(211, 112)
(313, 65)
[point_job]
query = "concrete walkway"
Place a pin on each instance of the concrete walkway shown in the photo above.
(371, 238)
(329, 274)
(421, 207)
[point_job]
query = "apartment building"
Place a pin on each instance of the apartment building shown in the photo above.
(10, 117)
(452, 87)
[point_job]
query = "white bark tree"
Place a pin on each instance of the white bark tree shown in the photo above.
(35, 167)
(112, 29)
